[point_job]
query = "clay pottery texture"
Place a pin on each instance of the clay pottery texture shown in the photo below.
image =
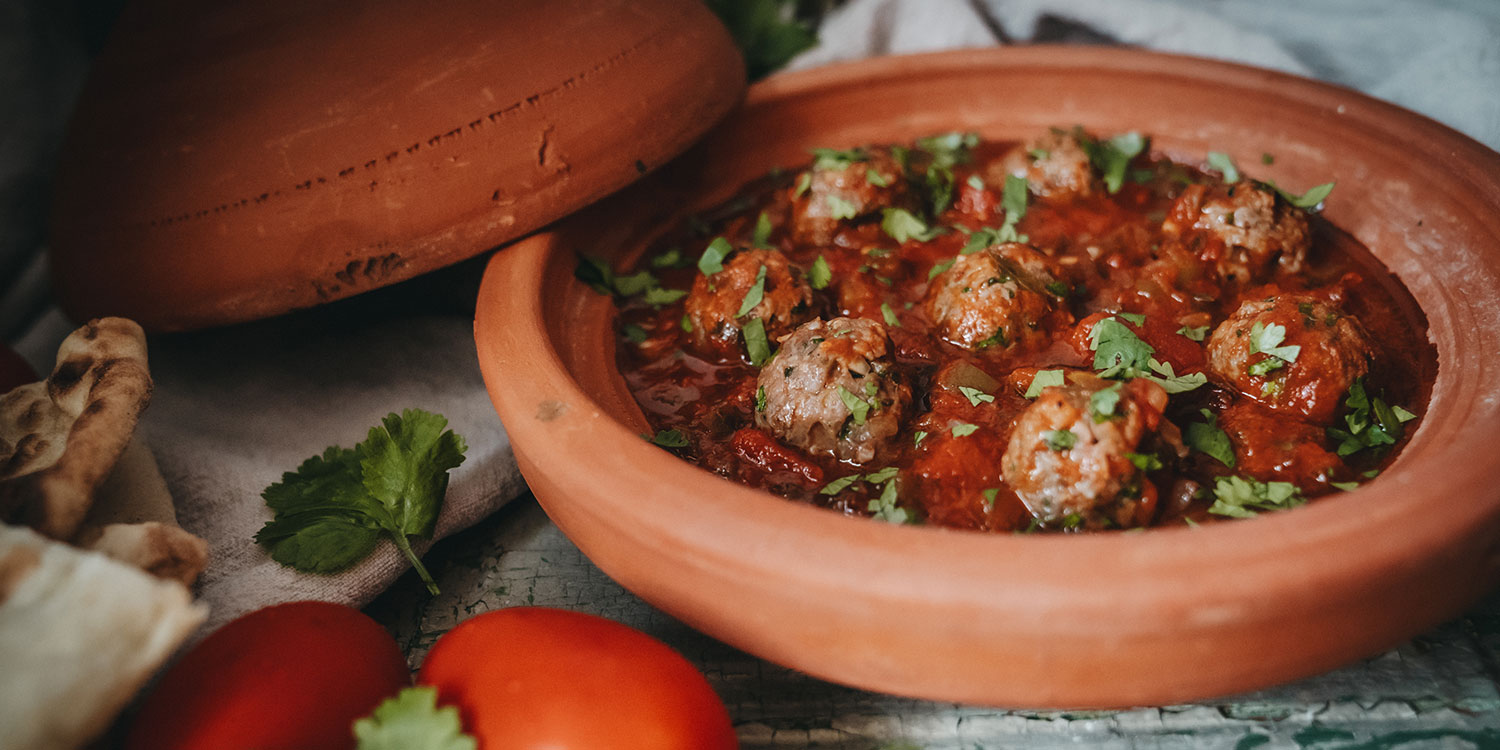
(232, 161)
(1100, 620)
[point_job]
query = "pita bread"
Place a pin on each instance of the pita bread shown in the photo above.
(133, 521)
(60, 438)
(79, 635)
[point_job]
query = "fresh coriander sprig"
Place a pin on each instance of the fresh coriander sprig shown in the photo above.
(332, 510)
(413, 721)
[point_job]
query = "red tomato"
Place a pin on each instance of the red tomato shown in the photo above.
(287, 677)
(13, 370)
(530, 677)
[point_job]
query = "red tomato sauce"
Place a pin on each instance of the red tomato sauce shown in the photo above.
(1177, 255)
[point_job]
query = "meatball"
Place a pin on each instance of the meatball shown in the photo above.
(1054, 165)
(994, 297)
(831, 390)
(1070, 453)
(1244, 231)
(856, 186)
(714, 303)
(1295, 354)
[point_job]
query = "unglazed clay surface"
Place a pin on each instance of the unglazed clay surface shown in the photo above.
(1098, 620)
(239, 160)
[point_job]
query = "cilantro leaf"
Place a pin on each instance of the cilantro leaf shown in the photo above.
(820, 274)
(760, 398)
(629, 286)
(669, 439)
(857, 406)
(949, 149)
(1309, 199)
(889, 315)
(1104, 404)
(875, 178)
(1013, 199)
(330, 512)
(756, 345)
(917, 438)
(975, 396)
(939, 182)
(713, 257)
(635, 333)
(832, 159)
(767, 34)
(963, 429)
(1206, 437)
(885, 508)
(1118, 352)
(839, 485)
(658, 296)
(804, 181)
(762, 237)
(1371, 423)
(838, 208)
(1059, 440)
(902, 226)
(1042, 379)
(755, 295)
(413, 721)
(1238, 497)
(938, 268)
(1193, 333)
(1266, 339)
(1220, 161)
(1170, 381)
(1113, 157)
(1145, 461)
(596, 273)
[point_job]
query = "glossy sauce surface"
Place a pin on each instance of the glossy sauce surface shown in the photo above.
(1147, 257)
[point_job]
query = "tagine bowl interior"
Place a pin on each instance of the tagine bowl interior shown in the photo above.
(1075, 620)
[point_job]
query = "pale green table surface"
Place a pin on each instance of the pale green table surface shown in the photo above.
(1437, 691)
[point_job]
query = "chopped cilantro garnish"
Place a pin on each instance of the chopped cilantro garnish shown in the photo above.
(1370, 422)
(939, 182)
(832, 158)
(1042, 379)
(756, 294)
(1117, 350)
(712, 260)
(1206, 437)
(760, 398)
(635, 333)
(857, 406)
(687, 324)
(1145, 461)
(1136, 318)
(889, 315)
(1059, 440)
(1170, 381)
(657, 296)
(975, 396)
(1266, 339)
(882, 475)
(839, 485)
(902, 226)
(820, 274)
(1221, 161)
(1104, 404)
(670, 439)
(917, 438)
(975, 181)
(1194, 333)
(804, 181)
(989, 497)
(1057, 289)
(672, 258)
(768, 33)
(885, 508)
(1013, 199)
(412, 721)
(948, 149)
(1242, 498)
(963, 429)
(756, 345)
(596, 273)
(1309, 199)
(1113, 157)
(939, 268)
(875, 178)
(1345, 486)
(838, 208)
(629, 286)
(762, 237)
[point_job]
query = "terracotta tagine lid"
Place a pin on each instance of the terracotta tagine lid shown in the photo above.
(238, 160)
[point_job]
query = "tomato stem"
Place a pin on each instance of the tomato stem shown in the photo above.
(422, 573)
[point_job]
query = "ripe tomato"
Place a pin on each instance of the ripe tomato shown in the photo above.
(531, 677)
(13, 370)
(287, 677)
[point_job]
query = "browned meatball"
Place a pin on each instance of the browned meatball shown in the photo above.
(714, 303)
(995, 297)
(831, 390)
(1070, 453)
(1243, 231)
(852, 188)
(1054, 165)
(1295, 354)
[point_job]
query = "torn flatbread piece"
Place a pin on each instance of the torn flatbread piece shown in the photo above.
(79, 635)
(61, 437)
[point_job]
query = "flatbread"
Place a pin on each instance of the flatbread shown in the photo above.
(60, 438)
(79, 635)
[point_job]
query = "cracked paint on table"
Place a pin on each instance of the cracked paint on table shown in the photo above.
(1438, 690)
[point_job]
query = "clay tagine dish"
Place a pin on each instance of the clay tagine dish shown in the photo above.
(1103, 619)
